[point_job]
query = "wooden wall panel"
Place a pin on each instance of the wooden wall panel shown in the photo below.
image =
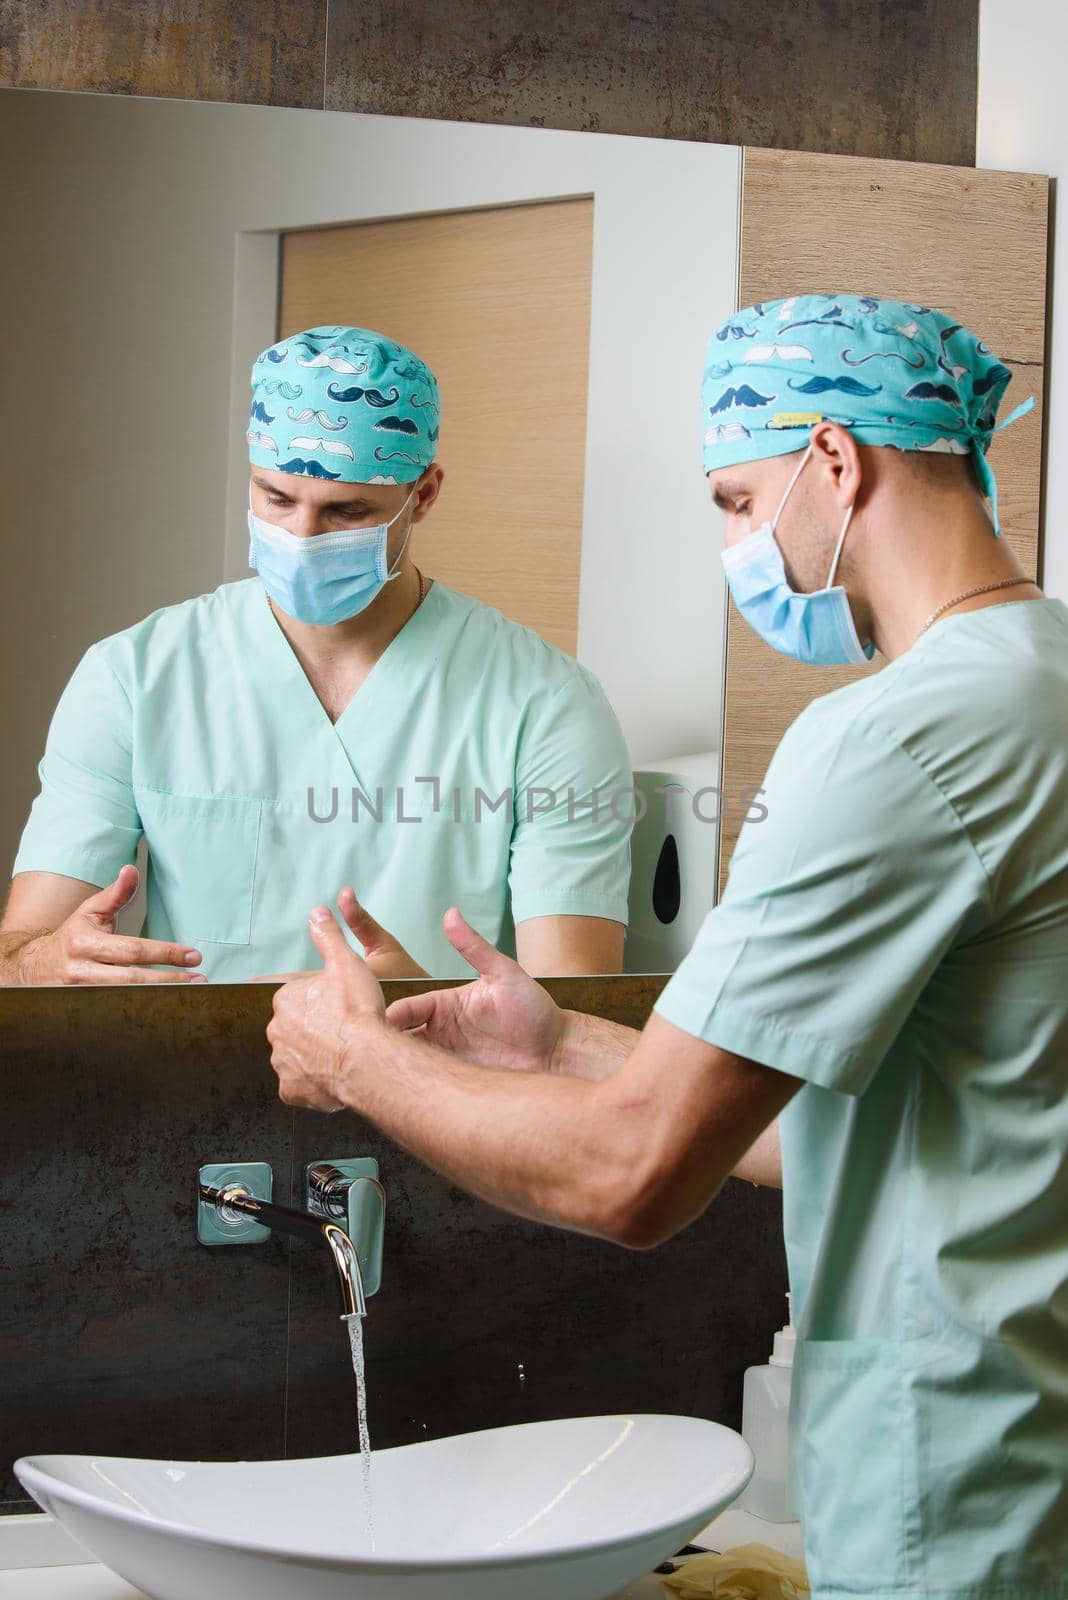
(497, 302)
(886, 78)
(934, 235)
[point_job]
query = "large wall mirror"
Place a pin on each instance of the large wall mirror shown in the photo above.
(562, 287)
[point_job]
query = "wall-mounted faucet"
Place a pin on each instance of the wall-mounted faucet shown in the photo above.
(344, 1209)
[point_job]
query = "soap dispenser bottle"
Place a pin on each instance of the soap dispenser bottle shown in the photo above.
(765, 1429)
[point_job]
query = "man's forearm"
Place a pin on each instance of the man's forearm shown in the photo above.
(533, 1144)
(594, 1047)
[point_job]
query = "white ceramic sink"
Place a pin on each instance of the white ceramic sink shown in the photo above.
(568, 1510)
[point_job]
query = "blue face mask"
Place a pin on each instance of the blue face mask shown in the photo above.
(327, 577)
(817, 628)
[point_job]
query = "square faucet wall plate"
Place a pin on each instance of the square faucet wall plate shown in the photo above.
(257, 1179)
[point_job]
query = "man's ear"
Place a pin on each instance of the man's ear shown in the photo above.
(834, 442)
(431, 478)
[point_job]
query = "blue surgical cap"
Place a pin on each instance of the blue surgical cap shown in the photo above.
(343, 403)
(892, 373)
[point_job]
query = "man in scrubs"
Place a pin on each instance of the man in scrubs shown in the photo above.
(338, 718)
(888, 968)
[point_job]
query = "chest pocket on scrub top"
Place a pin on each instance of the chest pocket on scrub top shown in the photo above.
(202, 863)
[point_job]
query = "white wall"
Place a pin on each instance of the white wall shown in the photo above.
(139, 283)
(1023, 127)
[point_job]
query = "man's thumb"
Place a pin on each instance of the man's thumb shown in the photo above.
(370, 933)
(483, 956)
(328, 937)
(107, 902)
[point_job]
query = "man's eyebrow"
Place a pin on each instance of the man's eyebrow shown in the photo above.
(732, 489)
(350, 500)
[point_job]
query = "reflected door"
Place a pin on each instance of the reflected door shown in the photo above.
(455, 287)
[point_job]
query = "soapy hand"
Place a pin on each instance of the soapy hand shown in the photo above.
(504, 1019)
(316, 1019)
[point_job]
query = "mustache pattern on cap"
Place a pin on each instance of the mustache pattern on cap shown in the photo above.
(335, 363)
(374, 397)
(309, 469)
(321, 417)
(330, 447)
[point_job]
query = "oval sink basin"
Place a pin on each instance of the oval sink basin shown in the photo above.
(568, 1510)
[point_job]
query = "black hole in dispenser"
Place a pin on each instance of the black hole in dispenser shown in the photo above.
(667, 884)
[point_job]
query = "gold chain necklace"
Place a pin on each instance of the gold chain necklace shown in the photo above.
(981, 588)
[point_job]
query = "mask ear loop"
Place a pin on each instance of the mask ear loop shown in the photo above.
(789, 486)
(394, 573)
(838, 548)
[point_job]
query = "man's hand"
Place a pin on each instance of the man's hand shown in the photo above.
(316, 1017)
(86, 949)
(504, 1019)
(385, 955)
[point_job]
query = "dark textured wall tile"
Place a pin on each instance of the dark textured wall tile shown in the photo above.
(270, 52)
(119, 1332)
(880, 78)
(485, 1319)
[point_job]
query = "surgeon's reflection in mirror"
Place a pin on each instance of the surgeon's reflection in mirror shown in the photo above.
(339, 717)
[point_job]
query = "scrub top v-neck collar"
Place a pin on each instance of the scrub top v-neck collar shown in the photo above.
(391, 679)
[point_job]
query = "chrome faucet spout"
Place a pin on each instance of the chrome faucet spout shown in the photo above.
(234, 1201)
(349, 1276)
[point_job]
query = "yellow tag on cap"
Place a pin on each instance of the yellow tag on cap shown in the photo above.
(795, 419)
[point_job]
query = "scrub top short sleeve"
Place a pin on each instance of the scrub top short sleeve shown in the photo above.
(894, 932)
(198, 727)
(84, 823)
(839, 906)
(570, 852)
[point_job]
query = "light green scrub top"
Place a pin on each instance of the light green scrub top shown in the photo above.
(199, 727)
(895, 933)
